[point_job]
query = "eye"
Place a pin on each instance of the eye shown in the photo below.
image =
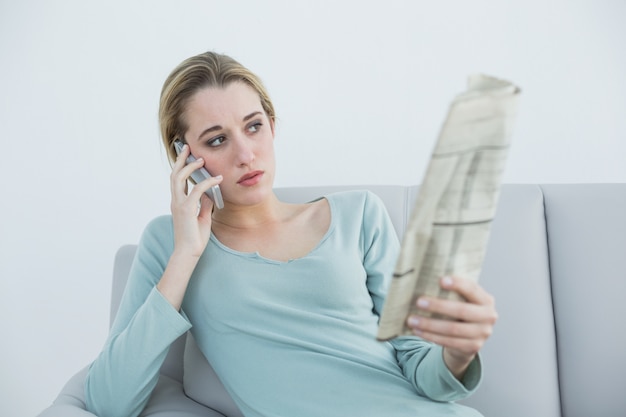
(217, 141)
(255, 127)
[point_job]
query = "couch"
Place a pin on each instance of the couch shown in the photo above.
(556, 264)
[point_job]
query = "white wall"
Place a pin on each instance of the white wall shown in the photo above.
(361, 88)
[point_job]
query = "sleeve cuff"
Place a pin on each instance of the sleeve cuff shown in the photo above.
(176, 322)
(447, 387)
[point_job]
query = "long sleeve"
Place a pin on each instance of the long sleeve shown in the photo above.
(421, 361)
(422, 364)
(121, 379)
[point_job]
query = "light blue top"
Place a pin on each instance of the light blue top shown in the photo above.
(292, 338)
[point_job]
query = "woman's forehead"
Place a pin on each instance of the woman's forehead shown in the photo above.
(234, 97)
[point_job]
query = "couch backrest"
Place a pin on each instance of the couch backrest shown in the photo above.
(583, 248)
(587, 243)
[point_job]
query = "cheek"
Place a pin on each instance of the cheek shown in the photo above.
(266, 147)
(214, 165)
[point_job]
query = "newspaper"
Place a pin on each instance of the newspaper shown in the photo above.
(449, 227)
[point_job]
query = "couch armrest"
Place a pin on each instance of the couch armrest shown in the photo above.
(168, 400)
(65, 410)
(70, 402)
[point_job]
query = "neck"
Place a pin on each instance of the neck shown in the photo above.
(268, 212)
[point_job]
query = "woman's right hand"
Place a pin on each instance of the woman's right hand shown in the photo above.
(192, 226)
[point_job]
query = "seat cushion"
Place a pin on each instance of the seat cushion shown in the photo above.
(202, 384)
(167, 400)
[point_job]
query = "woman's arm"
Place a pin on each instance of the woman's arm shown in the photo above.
(192, 227)
(122, 378)
(422, 362)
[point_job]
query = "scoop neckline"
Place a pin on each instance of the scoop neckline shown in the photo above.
(258, 256)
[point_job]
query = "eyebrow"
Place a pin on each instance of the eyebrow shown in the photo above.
(218, 127)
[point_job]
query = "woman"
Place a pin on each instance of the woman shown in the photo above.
(283, 299)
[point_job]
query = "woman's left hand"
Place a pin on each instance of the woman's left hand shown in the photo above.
(470, 325)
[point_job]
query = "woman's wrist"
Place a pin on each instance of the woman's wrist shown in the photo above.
(173, 283)
(184, 255)
(457, 363)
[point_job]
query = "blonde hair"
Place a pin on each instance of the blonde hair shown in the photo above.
(209, 69)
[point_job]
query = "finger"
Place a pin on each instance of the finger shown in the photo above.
(205, 212)
(206, 208)
(459, 310)
(181, 168)
(181, 157)
(188, 169)
(468, 289)
(200, 194)
(180, 175)
(449, 328)
(177, 189)
(202, 187)
(468, 338)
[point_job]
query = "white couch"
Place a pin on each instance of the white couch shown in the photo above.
(556, 263)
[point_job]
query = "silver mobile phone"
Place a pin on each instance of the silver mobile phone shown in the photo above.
(200, 175)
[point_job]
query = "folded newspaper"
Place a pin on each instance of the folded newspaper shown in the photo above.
(449, 227)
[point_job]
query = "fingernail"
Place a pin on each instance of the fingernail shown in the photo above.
(447, 281)
(422, 303)
(413, 321)
(218, 177)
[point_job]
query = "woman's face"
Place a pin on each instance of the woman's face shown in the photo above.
(230, 130)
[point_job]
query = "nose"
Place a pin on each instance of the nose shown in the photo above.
(244, 151)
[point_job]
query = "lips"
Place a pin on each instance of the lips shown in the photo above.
(250, 178)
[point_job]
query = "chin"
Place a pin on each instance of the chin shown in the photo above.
(252, 195)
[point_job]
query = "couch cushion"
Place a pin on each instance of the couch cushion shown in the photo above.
(167, 400)
(520, 368)
(587, 242)
(201, 383)
(71, 400)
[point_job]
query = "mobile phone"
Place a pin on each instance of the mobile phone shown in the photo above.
(200, 175)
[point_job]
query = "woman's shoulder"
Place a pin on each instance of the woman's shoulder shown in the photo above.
(356, 198)
(361, 205)
(160, 224)
(158, 232)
